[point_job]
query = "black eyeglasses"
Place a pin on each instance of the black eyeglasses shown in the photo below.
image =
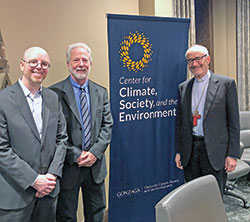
(197, 59)
(34, 63)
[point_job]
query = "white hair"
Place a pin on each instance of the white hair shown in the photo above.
(77, 45)
(197, 48)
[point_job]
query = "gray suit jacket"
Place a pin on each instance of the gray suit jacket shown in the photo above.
(23, 155)
(221, 121)
(101, 120)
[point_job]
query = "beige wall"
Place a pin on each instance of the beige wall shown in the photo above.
(146, 7)
(155, 7)
(163, 8)
(224, 23)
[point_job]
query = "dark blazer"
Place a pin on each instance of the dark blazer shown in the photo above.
(220, 124)
(23, 155)
(101, 121)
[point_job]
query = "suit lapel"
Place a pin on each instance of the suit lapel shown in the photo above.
(69, 98)
(211, 92)
(94, 99)
(45, 113)
(23, 107)
(188, 98)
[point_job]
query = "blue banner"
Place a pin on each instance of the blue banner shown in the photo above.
(147, 63)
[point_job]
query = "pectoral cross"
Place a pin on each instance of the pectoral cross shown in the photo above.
(196, 116)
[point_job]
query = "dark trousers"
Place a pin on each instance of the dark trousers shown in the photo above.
(199, 165)
(93, 195)
(39, 210)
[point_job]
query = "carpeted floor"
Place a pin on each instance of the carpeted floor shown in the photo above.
(233, 206)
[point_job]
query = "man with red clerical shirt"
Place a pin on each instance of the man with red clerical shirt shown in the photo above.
(207, 122)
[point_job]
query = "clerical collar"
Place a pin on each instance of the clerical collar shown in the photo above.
(204, 78)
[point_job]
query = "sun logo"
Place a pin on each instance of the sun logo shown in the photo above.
(135, 51)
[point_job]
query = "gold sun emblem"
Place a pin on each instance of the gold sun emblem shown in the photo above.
(125, 57)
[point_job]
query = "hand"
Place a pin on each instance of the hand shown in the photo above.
(51, 176)
(80, 158)
(178, 161)
(230, 164)
(44, 184)
(87, 159)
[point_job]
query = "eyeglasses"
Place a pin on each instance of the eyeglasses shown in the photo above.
(34, 63)
(197, 59)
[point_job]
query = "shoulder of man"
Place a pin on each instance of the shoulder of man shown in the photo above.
(59, 87)
(96, 85)
(98, 88)
(221, 77)
(8, 89)
(49, 93)
(59, 84)
(185, 83)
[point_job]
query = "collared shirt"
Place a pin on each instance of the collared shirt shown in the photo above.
(77, 92)
(199, 93)
(35, 104)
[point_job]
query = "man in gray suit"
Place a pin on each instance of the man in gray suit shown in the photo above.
(89, 122)
(207, 123)
(32, 144)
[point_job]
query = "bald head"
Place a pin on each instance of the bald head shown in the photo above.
(32, 52)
